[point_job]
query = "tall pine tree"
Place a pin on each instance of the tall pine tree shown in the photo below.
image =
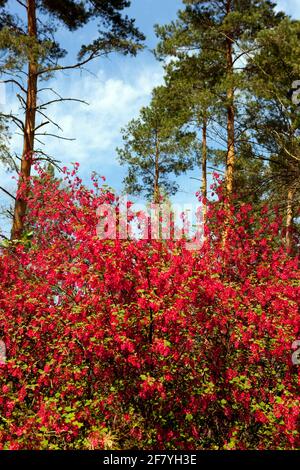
(29, 46)
(228, 28)
(274, 116)
(157, 145)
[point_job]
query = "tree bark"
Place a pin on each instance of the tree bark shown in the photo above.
(156, 177)
(230, 158)
(204, 169)
(29, 129)
(289, 219)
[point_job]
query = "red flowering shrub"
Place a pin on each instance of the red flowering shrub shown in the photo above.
(123, 344)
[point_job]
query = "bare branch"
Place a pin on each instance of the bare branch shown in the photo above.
(56, 136)
(41, 125)
(22, 101)
(78, 65)
(218, 170)
(4, 237)
(47, 158)
(10, 213)
(22, 4)
(17, 156)
(49, 89)
(44, 105)
(39, 141)
(50, 120)
(11, 80)
(7, 192)
(17, 121)
(14, 73)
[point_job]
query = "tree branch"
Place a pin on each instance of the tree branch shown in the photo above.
(47, 158)
(17, 121)
(4, 237)
(22, 4)
(22, 101)
(11, 80)
(56, 136)
(7, 192)
(41, 125)
(50, 120)
(92, 56)
(59, 100)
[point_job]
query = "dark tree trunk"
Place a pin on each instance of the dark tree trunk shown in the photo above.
(29, 129)
(156, 177)
(204, 169)
(230, 159)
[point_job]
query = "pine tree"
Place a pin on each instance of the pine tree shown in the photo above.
(156, 145)
(227, 28)
(274, 117)
(32, 46)
(194, 79)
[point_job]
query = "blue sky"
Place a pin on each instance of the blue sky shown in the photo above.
(115, 88)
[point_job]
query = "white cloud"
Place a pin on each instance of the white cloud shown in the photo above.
(112, 103)
(113, 100)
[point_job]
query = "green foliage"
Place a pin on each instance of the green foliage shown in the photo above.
(115, 32)
(198, 41)
(271, 113)
(156, 145)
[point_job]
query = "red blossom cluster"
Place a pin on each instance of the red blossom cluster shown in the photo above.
(137, 344)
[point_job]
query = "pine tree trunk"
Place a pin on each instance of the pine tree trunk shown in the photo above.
(289, 219)
(29, 128)
(230, 158)
(204, 169)
(156, 177)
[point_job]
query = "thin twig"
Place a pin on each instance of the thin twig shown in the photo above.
(7, 192)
